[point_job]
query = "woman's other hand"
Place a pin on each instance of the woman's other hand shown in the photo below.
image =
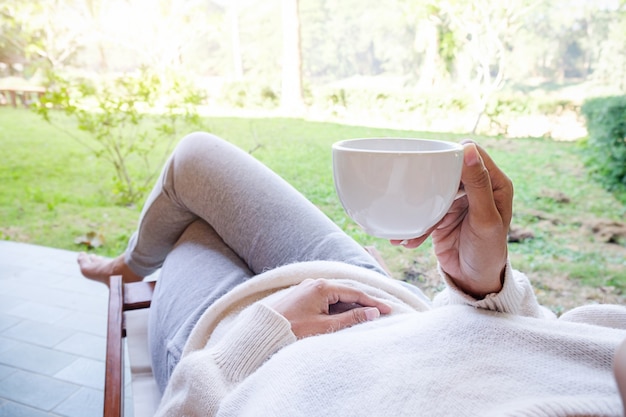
(321, 306)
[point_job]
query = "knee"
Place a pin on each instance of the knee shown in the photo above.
(194, 142)
(196, 148)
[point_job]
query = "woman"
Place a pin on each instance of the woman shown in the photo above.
(265, 307)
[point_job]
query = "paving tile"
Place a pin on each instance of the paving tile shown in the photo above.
(5, 371)
(82, 285)
(37, 391)
(11, 409)
(84, 344)
(69, 267)
(85, 372)
(52, 335)
(35, 293)
(34, 257)
(38, 277)
(6, 344)
(38, 312)
(86, 402)
(25, 256)
(8, 302)
(86, 322)
(36, 359)
(7, 321)
(10, 289)
(42, 334)
(83, 302)
(10, 271)
(50, 295)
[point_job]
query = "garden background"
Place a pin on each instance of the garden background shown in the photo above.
(539, 84)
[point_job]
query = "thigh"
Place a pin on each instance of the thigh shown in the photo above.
(265, 220)
(198, 270)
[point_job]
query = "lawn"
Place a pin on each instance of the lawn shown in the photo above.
(55, 191)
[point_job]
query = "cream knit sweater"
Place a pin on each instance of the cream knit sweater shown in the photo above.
(500, 356)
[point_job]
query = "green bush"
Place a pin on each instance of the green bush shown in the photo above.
(131, 121)
(390, 103)
(249, 93)
(606, 145)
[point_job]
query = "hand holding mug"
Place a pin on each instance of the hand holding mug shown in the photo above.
(470, 241)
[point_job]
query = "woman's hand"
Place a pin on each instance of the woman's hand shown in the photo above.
(321, 306)
(470, 242)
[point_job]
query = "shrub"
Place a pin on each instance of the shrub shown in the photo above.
(129, 121)
(606, 145)
(249, 93)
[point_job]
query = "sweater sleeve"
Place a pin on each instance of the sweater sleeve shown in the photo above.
(515, 297)
(204, 377)
(606, 315)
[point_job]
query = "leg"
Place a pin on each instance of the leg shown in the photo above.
(199, 269)
(263, 219)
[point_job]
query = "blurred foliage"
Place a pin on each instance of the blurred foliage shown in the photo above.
(606, 145)
(118, 118)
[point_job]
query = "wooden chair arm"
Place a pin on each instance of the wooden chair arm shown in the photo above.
(122, 297)
(113, 383)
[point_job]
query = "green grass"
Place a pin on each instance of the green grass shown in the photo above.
(54, 190)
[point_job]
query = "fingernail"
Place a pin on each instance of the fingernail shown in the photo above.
(405, 242)
(471, 156)
(372, 313)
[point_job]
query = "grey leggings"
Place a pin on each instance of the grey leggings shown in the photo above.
(215, 218)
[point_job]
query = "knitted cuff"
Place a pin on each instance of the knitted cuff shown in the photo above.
(507, 300)
(257, 334)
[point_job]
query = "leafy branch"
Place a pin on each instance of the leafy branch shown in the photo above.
(131, 122)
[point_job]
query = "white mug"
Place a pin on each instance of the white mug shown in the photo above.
(397, 188)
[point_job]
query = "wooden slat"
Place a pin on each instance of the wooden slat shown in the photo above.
(138, 295)
(113, 382)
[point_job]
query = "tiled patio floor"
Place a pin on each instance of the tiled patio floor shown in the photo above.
(52, 335)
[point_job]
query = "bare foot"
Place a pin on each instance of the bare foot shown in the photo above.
(100, 269)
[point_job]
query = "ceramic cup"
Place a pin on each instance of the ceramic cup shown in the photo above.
(397, 188)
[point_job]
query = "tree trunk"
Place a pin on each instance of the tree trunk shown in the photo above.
(291, 99)
(233, 17)
(430, 65)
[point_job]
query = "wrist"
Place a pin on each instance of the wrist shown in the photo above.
(479, 287)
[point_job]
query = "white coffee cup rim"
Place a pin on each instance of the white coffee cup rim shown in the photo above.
(344, 145)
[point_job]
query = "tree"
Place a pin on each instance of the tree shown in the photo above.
(611, 66)
(433, 41)
(34, 31)
(484, 31)
(95, 9)
(291, 99)
(233, 9)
